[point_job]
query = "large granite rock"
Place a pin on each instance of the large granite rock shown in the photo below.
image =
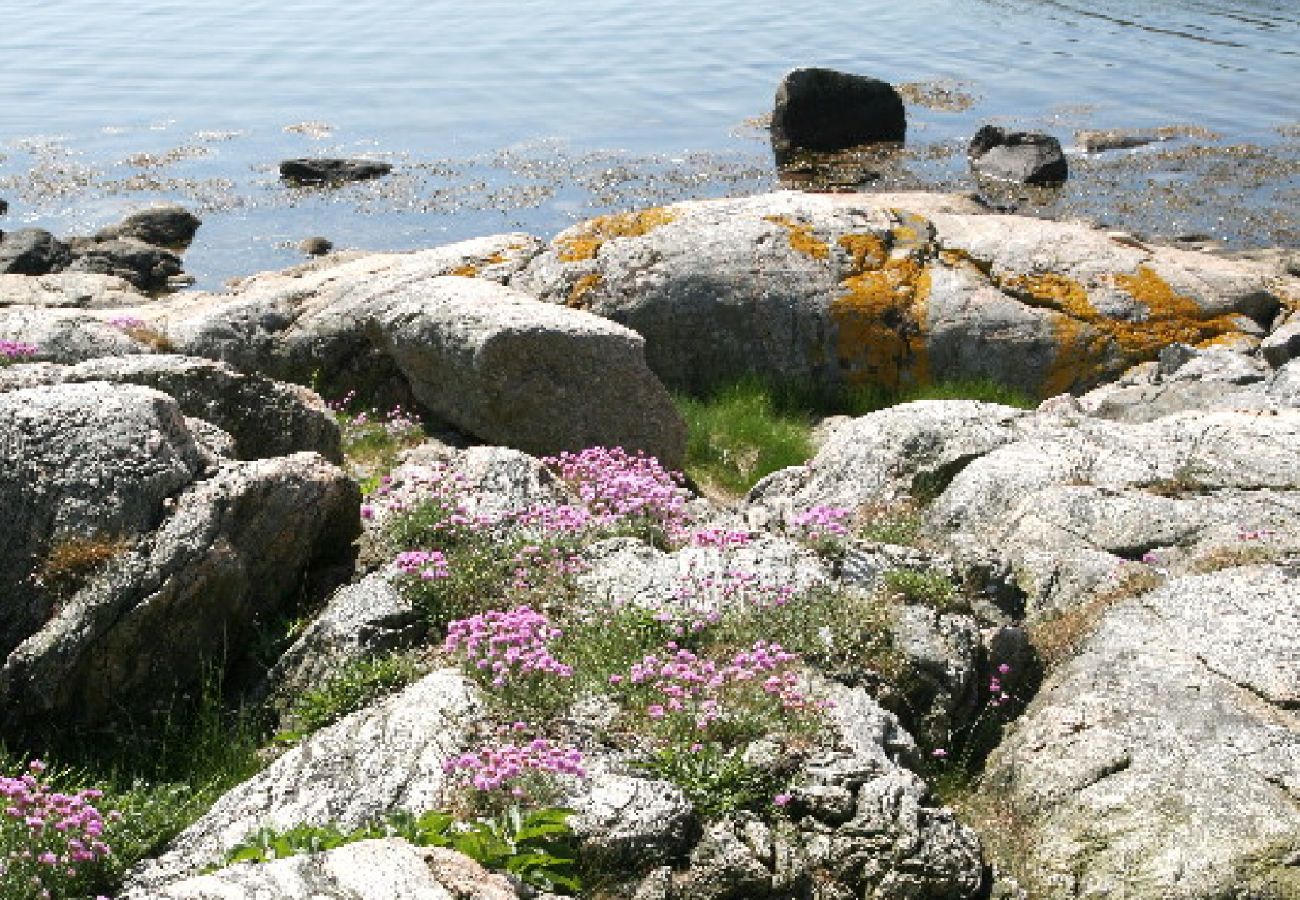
(144, 265)
(264, 417)
(1162, 761)
(891, 290)
(67, 335)
(183, 591)
(368, 870)
(488, 360)
(67, 289)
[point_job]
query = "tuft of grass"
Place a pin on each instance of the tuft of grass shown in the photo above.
(717, 782)
(1060, 637)
(983, 389)
(358, 684)
(739, 434)
(895, 523)
(928, 588)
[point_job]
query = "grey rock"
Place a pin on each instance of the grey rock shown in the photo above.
(234, 549)
(385, 758)
(316, 246)
(68, 289)
(361, 620)
(81, 461)
(66, 335)
(144, 265)
(723, 867)
(332, 171)
(825, 110)
(1114, 139)
(1282, 346)
(1019, 156)
(265, 418)
(1186, 379)
(940, 683)
(891, 290)
(1162, 760)
(629, 821)
(31, 251)
(367, 870)
(169, 225)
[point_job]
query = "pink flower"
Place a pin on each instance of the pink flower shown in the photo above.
(781, 800)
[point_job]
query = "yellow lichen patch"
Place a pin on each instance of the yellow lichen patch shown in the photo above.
(1171, 317)
(577, 298)
(587, 238)
(802, 239)
(880, 319)
(956, 258)
(469, 270)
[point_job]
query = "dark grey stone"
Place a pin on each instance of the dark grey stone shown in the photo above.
(32, 251)
(1020, 156)
(162, 226)
(331, 171)
(825, 110)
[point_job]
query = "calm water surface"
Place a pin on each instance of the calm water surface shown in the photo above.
(506, 114)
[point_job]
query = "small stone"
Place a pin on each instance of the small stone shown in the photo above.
(331, 171)
(316, 246)
(1019, 156)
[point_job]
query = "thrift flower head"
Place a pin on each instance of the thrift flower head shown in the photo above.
(424, 564)
(497, 767)
(14, 351)
(616, 485)
(821, 523)
(507, 645)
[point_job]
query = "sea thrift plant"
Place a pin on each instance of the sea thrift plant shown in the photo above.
(126, 323)
(546, 570)
(820, 524)
(507, 646)
(423, 564)
(16, 351)
(509, 770)
(624, 488)
(49, 840)
(687, 697)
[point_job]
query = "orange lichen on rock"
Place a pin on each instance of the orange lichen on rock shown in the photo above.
(802, 239)
(586, 239)
(469, 270)
(880, 319)
(577, 298)
(1085, 337)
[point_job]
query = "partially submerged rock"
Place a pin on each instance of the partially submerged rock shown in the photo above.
(1019, 156)
(332, 171)
(168, 225)
(825, 110)
(32, 251)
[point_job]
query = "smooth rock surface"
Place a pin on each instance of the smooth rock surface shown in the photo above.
(1019, 156)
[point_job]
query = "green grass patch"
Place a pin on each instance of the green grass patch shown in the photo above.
(357, 685)
(927, 588)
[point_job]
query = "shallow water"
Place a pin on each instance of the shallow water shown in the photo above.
(521, 114)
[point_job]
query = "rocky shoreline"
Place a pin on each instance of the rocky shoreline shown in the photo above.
(1109, 578)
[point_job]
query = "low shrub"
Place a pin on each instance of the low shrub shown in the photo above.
(717, 782)
(355, 686)
(928, 588)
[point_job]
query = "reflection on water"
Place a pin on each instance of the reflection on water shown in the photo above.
(528, 114)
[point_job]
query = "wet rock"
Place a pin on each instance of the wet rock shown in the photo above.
(263, 417)
(32, 251)
(332, 171)
(1113, 139)
(169, 226)
(890, 290)
(1024, 157)
(1163, 758)
(316, 246)
(145, 266)
(367, 870)
(825, 110)
(4, 207)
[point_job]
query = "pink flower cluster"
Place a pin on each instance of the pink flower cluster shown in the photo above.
(12, 351)
(426, 564)
(820, 523)
(996, 692)
(698, 600)
(508, 645)
(397, 423)
(126, 323)
(617, 485)
(52, 833)
(493, 768)
(420, 486)
(723, 538)
(564, 519)
(536, 566)
(688, 687)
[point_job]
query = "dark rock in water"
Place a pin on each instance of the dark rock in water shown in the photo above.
(331, 171)
(824, 110)
(4, 206)
(316, 246)
(1024, 157)
(1114, 139)
(32, 251)
(147, 267)
(162, 226)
